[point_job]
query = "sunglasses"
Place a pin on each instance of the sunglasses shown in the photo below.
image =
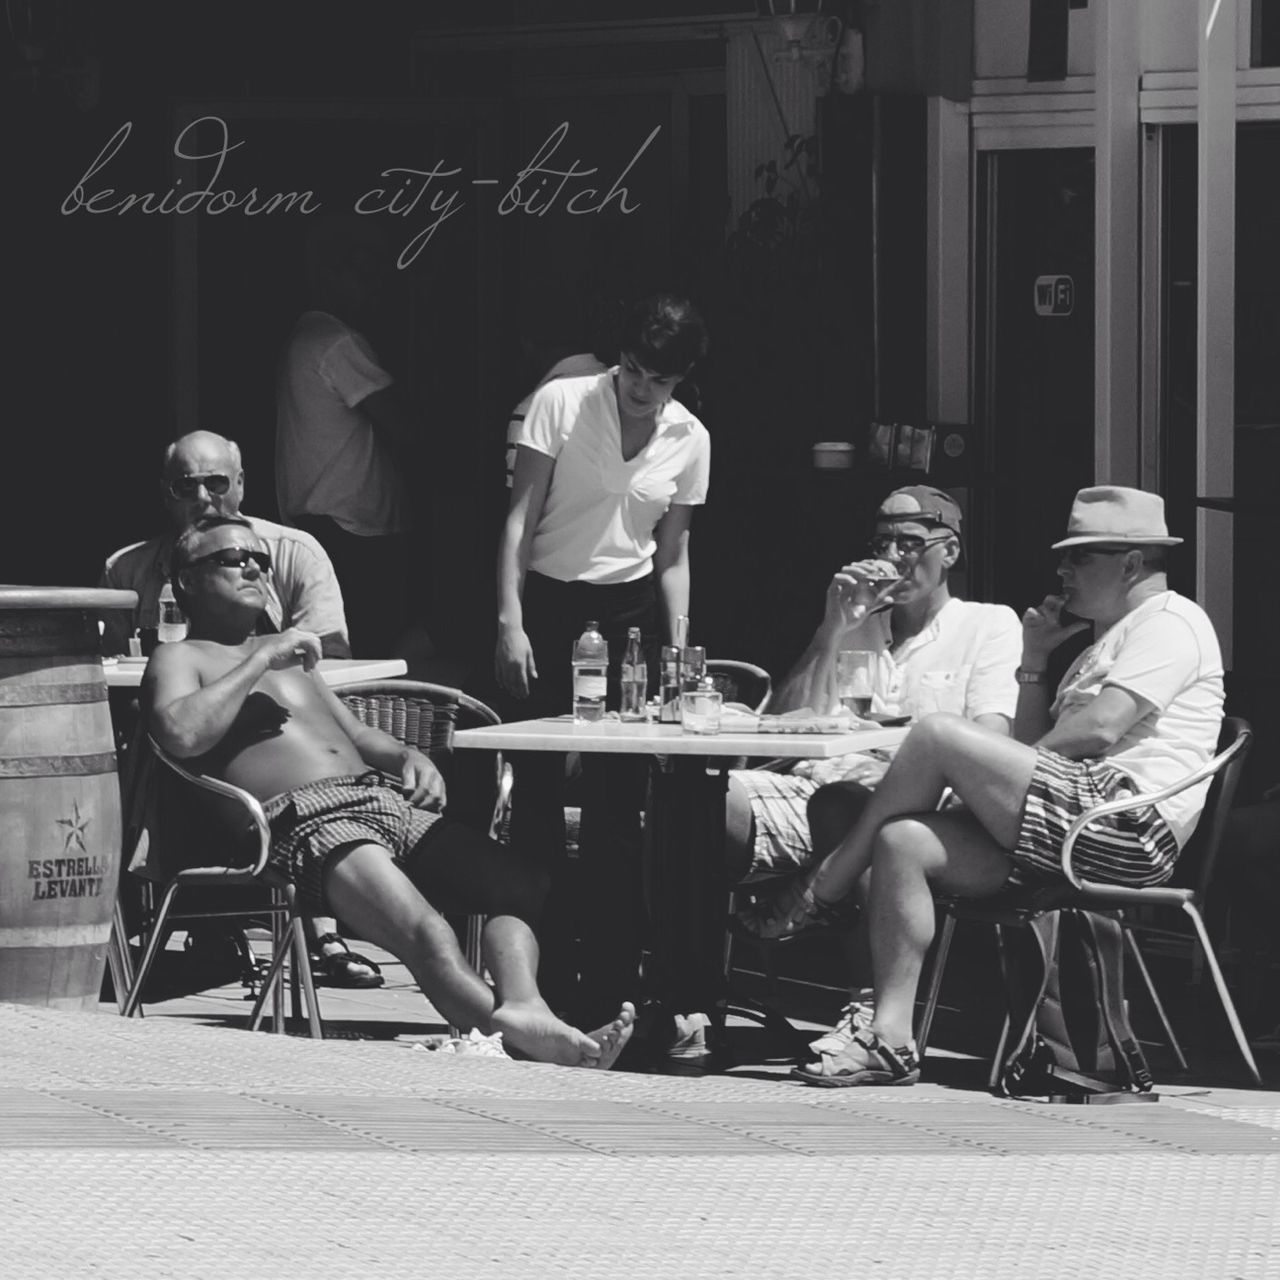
(1076, 556)
(908, 544)
(187, 487)
(235, 558)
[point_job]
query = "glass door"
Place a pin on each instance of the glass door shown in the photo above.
(1034, 374)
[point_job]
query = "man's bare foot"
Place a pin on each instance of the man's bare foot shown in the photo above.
(612, 1038)
(535, 1031)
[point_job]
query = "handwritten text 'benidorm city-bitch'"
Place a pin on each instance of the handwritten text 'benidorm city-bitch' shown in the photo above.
(545, 184)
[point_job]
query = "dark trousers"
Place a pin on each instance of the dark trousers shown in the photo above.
(593, 921)
(462, 872)
(373, 574)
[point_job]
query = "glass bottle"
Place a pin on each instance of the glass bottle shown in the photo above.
(635, 678)
(173, 622)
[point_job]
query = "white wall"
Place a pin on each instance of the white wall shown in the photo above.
(1001, 29)
(1168, 38)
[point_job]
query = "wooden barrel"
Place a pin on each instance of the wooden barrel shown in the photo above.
(59, 796)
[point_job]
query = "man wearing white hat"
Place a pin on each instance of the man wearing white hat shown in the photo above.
(1136, 711)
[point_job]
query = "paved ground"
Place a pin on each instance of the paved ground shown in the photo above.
(179, 1145)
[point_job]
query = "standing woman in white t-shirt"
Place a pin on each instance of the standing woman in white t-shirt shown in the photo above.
(608, 470)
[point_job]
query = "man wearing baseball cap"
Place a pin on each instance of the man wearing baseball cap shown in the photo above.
(1138, 710)
(933, 653)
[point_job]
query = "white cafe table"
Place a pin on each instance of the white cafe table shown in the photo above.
(126, 673)
(685, 828)
(560, 733)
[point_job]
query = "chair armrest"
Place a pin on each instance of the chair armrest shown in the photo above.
(1142, 798)
(252, 806)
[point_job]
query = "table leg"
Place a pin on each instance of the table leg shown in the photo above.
(686, 885)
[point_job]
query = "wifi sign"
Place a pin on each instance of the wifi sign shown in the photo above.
(1055, 295)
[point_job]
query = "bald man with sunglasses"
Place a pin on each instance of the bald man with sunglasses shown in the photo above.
(202, 476)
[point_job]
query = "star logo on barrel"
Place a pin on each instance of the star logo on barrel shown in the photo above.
(76, 826)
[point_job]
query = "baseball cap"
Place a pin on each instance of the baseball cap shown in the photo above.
(921, 502)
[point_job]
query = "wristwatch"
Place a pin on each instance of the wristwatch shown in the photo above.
(1030, 677)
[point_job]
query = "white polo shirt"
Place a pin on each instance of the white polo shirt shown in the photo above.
(600, 512)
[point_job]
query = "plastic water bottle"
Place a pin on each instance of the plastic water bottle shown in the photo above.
(173, 623)
(635, 678)
(590, 675)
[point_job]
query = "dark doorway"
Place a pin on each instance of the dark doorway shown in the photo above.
(1034, 363)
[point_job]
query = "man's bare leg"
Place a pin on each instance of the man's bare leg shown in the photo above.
(382, 904)
(357, 971)
(739, 830)
(989, 772)
(913, 858)
(524, 1017)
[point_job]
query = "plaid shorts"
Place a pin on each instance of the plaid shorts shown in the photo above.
(779, 807)
(310, 824)
(1134, 848)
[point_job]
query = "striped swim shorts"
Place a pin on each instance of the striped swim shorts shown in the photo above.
(310, 824)
(1134, 848)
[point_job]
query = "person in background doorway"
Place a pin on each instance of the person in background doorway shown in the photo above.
(343, 432)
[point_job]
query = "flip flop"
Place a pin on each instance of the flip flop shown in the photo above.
(339, 969)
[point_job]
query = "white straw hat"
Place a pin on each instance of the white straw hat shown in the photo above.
(1110, 513)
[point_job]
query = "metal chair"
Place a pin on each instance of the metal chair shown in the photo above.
(1196, 864)
(742, 682)
(246, 837)
(418, 714)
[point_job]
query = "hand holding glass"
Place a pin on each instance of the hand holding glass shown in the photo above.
(856, 679)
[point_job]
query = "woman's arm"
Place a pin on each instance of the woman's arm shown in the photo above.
(514, 663)
(671, 563)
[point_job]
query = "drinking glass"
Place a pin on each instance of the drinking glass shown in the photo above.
(856, 679)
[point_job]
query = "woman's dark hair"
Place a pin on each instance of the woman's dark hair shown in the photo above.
(665, 334)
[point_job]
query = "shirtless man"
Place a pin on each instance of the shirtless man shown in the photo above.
(245, 708)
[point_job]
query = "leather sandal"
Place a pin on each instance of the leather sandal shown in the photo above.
(866, 1059)
(341, 968)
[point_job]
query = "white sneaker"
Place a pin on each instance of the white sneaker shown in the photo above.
(855, 1016)
(691, 1036)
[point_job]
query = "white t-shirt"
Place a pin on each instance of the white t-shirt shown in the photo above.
(329, 462)
(600, 512)
(1166, 652)
(962, 662)
(570, 367)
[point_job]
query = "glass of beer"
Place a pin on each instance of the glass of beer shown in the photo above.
(856, 679)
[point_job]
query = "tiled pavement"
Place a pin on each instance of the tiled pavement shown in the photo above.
(179, 1146)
